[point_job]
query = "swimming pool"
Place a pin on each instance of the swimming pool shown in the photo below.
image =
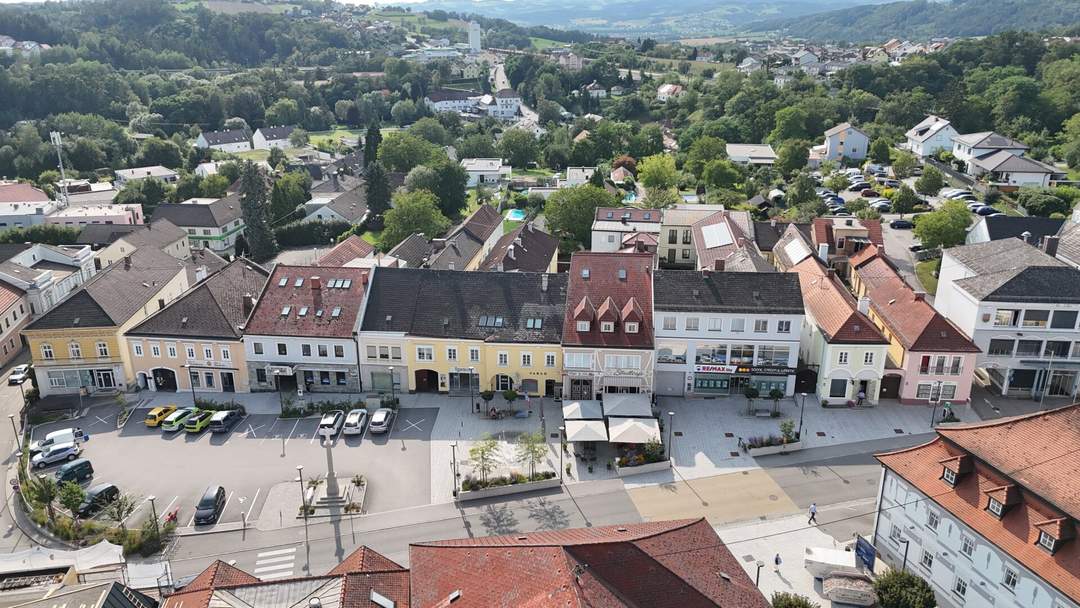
(517, 215)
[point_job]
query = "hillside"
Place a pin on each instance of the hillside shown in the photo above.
(920, 19)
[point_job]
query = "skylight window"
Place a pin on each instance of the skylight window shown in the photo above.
(299, 282)
(302, 312)
(283, 282)
(285, 311)
(346, 283)
(533, 323)
(336, 312)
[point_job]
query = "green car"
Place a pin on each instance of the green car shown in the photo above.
(198, 422)
(176, 420)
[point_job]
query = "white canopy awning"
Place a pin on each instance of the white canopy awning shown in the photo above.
(627, 404)
(633, 430)
(582, 410)
(585, 430)
(103, 554)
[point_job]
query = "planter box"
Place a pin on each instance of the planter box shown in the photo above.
(651, 467)
(516, 488)
(794, 446)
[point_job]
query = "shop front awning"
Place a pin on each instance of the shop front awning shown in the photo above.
(583, 410)
(633, 430)
(585, 430)
(627, 405)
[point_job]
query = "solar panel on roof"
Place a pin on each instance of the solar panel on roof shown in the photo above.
(796, 251)
(716, 235)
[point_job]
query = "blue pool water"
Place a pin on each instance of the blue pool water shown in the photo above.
(517, 215)
(629, 198)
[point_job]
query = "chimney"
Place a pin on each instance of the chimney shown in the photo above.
(543, 282)
(510, 252)
(1026, 236)
(718, 265)
(772, 222)
(248, 303)
(334, 180)
(127, 262)
(864, 305)
(920, 296)
(316, 292)
(830, 273)
(823, 252)
(623, 220)
(705, 272)
(1050, 245)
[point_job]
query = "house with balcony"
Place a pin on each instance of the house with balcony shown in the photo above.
(835, 239)
(971, 146)
(46, 274)
(79, 345)
(718, 333)
(194, 343)
(930, 136)
(930, 359)
(1020, 306)
(476, 331)
(210, 223)
(619, 228)
(678, 242)
(608, 327)
(987, 513)
(842, 141)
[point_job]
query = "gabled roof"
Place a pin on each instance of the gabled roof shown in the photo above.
(217, 214)
(1003, 161)
(414, 250)
(465, 241)
(1010, 270)
(1009, 226)
(832, 307)
(727, 292)
(498, 306)
(450, 95)
(212, 309)
(507, 94)
(658, 564)
(619, 276)
(843, 127)
(930, 126)
(999, 255)
(351, 205)
(989, 139)
(309, 296)
(22, 193)
(766, 234)
(272, 133)
(525, 248)
(716, 237)
(217, 138)
(352, 248)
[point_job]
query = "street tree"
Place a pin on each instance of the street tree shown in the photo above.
(256, 210)
(879, 151)
(930, 182)
(71, 496)
(945, 227)
(484, 457)
(904, 165)
(120, 509)
(531, 450)
(904, 200)
(837, 182)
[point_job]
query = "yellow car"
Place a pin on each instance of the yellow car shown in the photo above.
(156, 415)
(197, 422)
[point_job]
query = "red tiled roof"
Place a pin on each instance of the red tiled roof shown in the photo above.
(602, 283)
(350, 249)
(268, 320)
(356, 589)
(21, 193)
(823, 232)
(657, 564)
(873, 227)
(198, 592)
(833, 308)
(707, 256)
(914, 322)
(365, 559)
(1037, 453)
(9, 295)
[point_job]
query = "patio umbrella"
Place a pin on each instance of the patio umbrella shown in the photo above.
(633, 430)
(582, 410)
(585, 430)
(627, 404)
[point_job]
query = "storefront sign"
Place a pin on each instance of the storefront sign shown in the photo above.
(716, 369)
(760, 370)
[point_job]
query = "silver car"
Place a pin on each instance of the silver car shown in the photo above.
(381, 420)
(56, 453)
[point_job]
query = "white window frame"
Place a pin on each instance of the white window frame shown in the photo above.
(474, 354)
(1008, 574)
(451, 353)
(949, 476)
(47, 351)
(868, 357)
(550, 359)
(783, 327)
(226, 354)
(502, 359)
(75, 350)
(842, 358)
(761, 326)
(967, 545)
(137, 348)
(607, 327)
(932, 519)
(171, 350)
(189, 350)
(208, 352)
(959, 587)
(630, 327)
(582, 326)
(716, 324)
(102, 349)
(738, 325)
(926, 560)
(669, 323)
(995, 507)
(1047, 542)
(155, 351)
(526, 359)
(425, 353)
(692, 324)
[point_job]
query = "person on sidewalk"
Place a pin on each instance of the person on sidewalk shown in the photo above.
(860, 397)
(776, 563)
(813, 514)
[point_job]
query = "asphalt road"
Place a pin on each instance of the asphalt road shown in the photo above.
(11, 539)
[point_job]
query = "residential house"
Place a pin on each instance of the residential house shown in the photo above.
(749, 65)
(523, 249)
(754, 155)
(502, 330)
(930, 136)
(577, 176)
(81, 215)
(485, 171)
(78, 345)
(347, 252)
(469, 243)
(1020, 306)
(614, 228)
(618, 91)
(839, 341)
(126, 176)
(120, 241)
(23, 205)
(1068, 249)
(451, 100)
(226, 141)
(718, 333)
(207, 169)
(46, 274)
(507, 103)
(14, 315)
(1029, 228)
(804, 57)
(930, 359)
(986, 513)
(571, 61)
(668, 91)
(413, 252)
(272, 137)
(768, 234)
(970, 146)
(676, 243)
(1010, 172)
(348, 206)
(722, 235)
(596, 90)
(845, 141)
(194, 343)
(837, 238)
(210, 223)
(301, 336)
(618, 175)
(607, 335)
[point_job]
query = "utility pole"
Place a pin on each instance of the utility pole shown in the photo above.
(54, 137)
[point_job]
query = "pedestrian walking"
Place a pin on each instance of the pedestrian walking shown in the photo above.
(861, 397)
(776, 563)
(813, 514)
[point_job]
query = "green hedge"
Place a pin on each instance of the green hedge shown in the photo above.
(302, 234)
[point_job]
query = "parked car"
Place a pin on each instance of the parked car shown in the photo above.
(858, 187)
(97, 498)
(901, 224)
(381, 420)
(868, 193)
(916, 247)
(210, 506)
(76, 470)
(197, 422)
(836, 200)
(224, 421)
(986, 210)
(55, 453)
(355, 421)
(68, 435)
(959, 194)
(156, 415)
(19, 374)
(331, 423)
(175, 421)
(881, 207)
(891, 183)
(843, 214)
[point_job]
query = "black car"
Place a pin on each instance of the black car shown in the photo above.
(902, 224)
(210, 506)
(916, 247)
(97, 498)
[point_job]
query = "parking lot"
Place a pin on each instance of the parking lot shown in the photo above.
(261, 451)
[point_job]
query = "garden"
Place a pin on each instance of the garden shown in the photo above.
(485, 458)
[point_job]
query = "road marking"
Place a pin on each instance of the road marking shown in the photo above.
(135, 510)
(100, 420)
(251, 431)
(277, 560)
(295, 424)
(270, 431)
(165, 513)
(275, 564)
(271, 553)
(225, 508)
(286, 566)
(314, 435)
(274, 575)
(410, 425)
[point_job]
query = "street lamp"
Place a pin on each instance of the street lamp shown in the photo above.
(757, 577)
(670, 416)
(562, 430)
(472, 399)
(153, 513)
(303, 497)
(392, 396)
(453, 467)
(802, 410)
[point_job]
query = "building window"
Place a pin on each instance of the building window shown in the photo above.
(526, 359)
(783, 327)
(226, 354)
(196, 379)
(932, 519)
(583, 326)
(260, 376)
(549, 360)
(958, 363)
(631, 327)
(74, 350)
(1000, 348)
(282, 349)
(868, 358)
(838, 387)
(208, 353)
(339, 377)
(959, 587)
(190, 351)
(451, 353)
(949, 476)
(1047, 542)
(672, 237)
(322, 350)
(503, 359)
(895, 533)
(1010, 579)
(686, 254)
(716, 324)
(137, 347)
(474, 355)
(1057, 349)
(324, 378)
(842, 358)
(669, 323)
(607, 327)
(339, 352)
(305, 350)
(209, 376)
(927, 560)
(1036, 318)
(1064, 319)
(372, 351)
(102, 349)
(257, 348)
(155, 351)
(686, 234)
(967, 545)
(622, 361)
(1028, 348)
(691, 324)
(1005, 318)
(773, 355)
(738, 325)
(995, 507)
(425, 353)
(46, 351)
(761, 326)
(579, 360)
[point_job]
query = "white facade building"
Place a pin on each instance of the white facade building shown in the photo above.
(846, 141)
(272, 137)
(48, 273)
(930, 136)
(226, 141)
(612, 225)
(485, 171)
(474, 37)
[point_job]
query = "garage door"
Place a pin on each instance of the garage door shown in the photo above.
(670, 384)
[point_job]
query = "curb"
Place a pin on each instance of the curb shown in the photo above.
(22, 521)
(217, 529)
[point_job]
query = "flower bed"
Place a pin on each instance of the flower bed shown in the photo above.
(651, 467)
(763, 445)
(473, 489)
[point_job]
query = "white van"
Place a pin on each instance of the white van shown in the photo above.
(68, 435)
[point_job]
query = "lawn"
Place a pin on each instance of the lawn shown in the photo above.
(371, 236)
(254, 155)
(1007, 209)
(925, 271)
(532, 172)
(335, 134)
(696, 67)
(543, 43)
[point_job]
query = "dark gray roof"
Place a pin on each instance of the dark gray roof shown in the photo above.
(343, 183)
(736, 292)
(216, 138)
(414, 250)
(203, 258)
(114, 294)
(1043, 284)
(745, 259)
(466, 240)
(450, 94)
(213, 309)
(996, 256)
(271, 133)
(449, 303)
(10, 250)
(1006, 226)
(217, 214)
(524, 248)
(104, 234)
(1069, 243)
(351, 205)
(766, 235)
(989, 139)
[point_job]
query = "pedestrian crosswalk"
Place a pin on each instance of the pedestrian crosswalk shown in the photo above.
(275, 564)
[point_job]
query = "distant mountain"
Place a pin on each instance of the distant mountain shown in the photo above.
(640, 18)
(921, 19)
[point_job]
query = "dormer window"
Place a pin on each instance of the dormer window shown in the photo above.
(995, 508)
(583, 326)
(1047, 541)
(607, 327)
(631, 328)
(949, 476)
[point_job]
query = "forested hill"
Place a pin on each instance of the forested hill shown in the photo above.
(921, 19)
